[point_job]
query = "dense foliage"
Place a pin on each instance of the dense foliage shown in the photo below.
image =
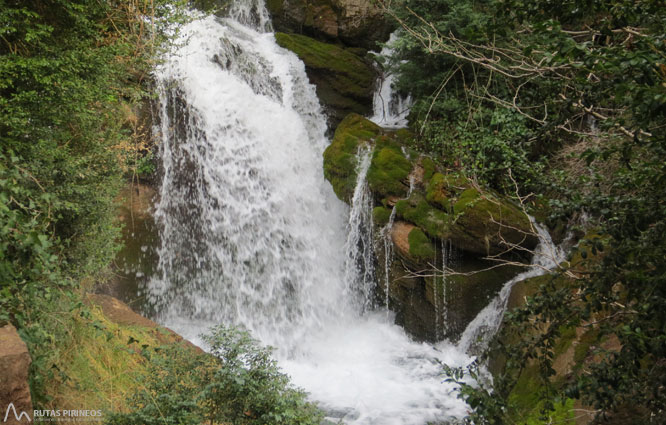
(72, 74)
(239, 384)
(569, 100)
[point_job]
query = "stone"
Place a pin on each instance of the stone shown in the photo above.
(120, 313)
(344, 81)
(400, 237)
(357, 23)
(340, 156)
(14, 368)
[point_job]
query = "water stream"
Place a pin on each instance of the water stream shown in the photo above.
(252, 234)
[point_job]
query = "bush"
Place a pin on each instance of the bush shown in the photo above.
(239, 383)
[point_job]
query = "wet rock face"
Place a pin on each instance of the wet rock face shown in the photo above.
(356, 23)
(439, 220)
(344, 81)
(14, 366)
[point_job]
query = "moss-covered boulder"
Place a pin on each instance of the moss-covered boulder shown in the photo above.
(381, 215)
(486, 223)
(412, 245)
(344, 81)
(474, 220)
(388, 175)
(416, 209)
(389, 170)
(340, 158)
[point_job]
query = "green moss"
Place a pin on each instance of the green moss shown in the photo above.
(468, 198)
(388, 171)
(340, 157)
(428, 168)
(564, 341)
(420, 246)
(381, 215)
(527, 402)
(416, 210)
(525, 395)
(346, 72)
(482, 218)
(275, 6)
(437, 192)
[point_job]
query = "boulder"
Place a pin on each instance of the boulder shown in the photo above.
(358, 23)
(388, 175)
(14, 367)
(474, 220)
(344, 81)
(340, 156)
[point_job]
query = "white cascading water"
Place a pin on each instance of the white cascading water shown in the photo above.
(252, 234)
(389, 109)
(360, 262)
(485, 325)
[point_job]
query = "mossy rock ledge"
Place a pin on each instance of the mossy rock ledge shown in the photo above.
(446, 207)
(344, 81)
(445, 214)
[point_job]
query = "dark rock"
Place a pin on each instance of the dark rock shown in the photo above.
(344, 81)
(358, 23)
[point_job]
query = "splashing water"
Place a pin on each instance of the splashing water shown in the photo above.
(485, 325)
(389, 108)
(252, 235)
(360, 262)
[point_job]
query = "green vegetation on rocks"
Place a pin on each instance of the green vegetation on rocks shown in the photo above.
(388, 172)
(434, 222)
(344, 81)
(340, 158)
(437, 192)
(381, 215)
(420, 247)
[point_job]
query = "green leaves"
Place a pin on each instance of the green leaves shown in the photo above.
(573, 103)
(239, 383)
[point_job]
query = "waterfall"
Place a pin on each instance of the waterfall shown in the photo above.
(252, 235)
(360, 263)
(485, 325)
(389, 109)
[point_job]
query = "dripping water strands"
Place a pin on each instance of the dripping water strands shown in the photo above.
(251, 13)
(440, 296)
(385, 234)
(387, 242)
(360, 264)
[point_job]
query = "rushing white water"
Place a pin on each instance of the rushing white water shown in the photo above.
(360, 263)
(389, 108)
(485, 325)
(252, 234)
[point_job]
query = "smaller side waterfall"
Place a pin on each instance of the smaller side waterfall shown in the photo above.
(389, 109)
(483, 328)
(360, 262)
